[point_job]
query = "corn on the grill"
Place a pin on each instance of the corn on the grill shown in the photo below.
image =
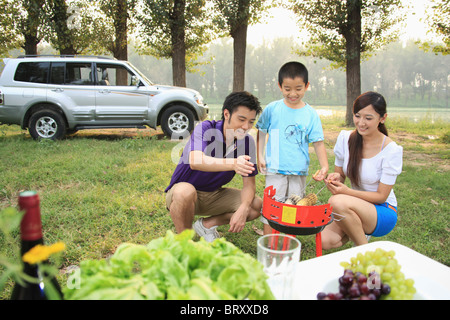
(289, 201)
(309, 200)
(293, 198)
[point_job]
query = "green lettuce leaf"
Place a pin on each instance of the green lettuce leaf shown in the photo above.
(173, 267)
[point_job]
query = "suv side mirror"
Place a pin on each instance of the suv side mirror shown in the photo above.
(134, 81)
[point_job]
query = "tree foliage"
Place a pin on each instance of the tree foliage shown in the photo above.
(9, 33)
(438, 18)
(346, 32)
(21, 24)
(328, 25)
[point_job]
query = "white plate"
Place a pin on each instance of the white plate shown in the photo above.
(431, 278)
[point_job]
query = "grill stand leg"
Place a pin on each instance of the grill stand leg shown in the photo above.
(318, 244)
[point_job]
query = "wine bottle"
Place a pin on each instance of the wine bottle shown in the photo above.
(31, 235)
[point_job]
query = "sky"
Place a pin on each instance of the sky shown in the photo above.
(282, 23)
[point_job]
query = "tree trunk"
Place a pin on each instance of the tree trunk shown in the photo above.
(30, 45)
(121, 41)
(239, 46)
(353, 47)
(178, 45)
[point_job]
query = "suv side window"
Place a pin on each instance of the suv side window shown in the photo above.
(57, 73)
(113, 75)
(36, 72)
(79, 73)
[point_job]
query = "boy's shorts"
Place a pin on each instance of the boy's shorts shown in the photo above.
(285, 185)
(223, 200)
(386, 219)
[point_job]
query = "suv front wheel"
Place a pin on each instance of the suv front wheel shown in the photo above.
(47, 124)
(177, 122)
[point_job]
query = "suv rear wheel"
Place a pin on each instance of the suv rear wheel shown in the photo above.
(47, 124)
(177, 122)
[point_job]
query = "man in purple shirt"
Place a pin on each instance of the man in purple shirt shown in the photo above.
(216, 151)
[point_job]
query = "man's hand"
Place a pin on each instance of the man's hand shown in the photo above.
(243, 166)
(238, 220)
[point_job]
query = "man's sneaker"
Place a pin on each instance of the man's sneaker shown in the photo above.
(208, 234)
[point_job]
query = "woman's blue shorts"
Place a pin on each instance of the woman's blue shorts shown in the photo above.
(386, 219)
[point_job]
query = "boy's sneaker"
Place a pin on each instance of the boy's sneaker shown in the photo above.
(208, 234)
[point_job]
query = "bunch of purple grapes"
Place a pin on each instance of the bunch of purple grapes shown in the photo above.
(357, 286)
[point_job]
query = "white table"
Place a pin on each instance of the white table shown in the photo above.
(431, 278)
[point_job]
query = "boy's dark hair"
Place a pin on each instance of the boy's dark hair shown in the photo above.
(292, 70)
(241, 98)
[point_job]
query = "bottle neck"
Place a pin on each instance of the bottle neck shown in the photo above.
(31, 225)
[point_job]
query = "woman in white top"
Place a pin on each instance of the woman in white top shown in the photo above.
(372, 162)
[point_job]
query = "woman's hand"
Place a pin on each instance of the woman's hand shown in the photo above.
(334, 176)
(337, 187)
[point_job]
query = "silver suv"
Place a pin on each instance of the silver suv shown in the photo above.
(56, 95)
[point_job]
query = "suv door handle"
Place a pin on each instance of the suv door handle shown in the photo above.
(104, 91)
(58, 90)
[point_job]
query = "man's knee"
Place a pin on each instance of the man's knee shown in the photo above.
(257, 204)
(181, 204)
(256, 207)
(181, 193)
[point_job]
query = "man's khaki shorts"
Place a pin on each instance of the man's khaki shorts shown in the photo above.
(223, 200)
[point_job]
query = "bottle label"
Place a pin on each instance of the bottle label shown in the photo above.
(31, 226)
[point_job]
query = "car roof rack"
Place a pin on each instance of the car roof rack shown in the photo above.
(63, 56)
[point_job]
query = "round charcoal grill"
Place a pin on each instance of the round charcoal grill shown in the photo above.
(296, 220)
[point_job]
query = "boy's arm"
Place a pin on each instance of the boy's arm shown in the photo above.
(260, 146)
(321, 152)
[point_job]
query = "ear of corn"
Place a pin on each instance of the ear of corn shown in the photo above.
(289, 201)
(309, 200)
(293, 199)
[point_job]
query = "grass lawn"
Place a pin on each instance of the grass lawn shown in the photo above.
(99, 189)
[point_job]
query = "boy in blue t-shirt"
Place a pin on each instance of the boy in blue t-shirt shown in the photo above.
(291, 125)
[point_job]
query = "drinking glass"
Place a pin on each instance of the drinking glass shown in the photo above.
(279, 255)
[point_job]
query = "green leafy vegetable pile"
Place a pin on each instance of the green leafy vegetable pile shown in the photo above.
(173, 267)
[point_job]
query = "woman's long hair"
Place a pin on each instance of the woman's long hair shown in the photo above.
(355, 142)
